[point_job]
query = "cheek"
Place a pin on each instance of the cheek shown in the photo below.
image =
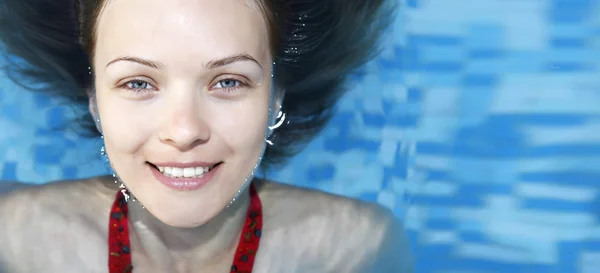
(243, 128)
(124, 125)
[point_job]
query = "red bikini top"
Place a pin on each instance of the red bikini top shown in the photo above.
(119, 256)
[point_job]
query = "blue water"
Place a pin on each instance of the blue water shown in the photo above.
(478, 126)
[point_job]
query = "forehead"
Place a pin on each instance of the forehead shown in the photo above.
(181, 30)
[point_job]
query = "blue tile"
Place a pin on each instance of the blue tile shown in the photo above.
(11, 112)
(577, 43)
(56, 117)
(9, 172)
(70, 172)
(556, 205)
(480, 80)
(374, 119)
(47, 154)
(318, 173)
(413, 3)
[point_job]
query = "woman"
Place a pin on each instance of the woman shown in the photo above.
(190, 98)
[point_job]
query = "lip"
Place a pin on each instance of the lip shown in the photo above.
(183, 183)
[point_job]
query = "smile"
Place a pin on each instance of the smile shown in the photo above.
(185, 177)
(189, 172)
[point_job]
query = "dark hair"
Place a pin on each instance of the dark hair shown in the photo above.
(317, 45)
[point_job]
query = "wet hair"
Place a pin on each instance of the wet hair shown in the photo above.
(317, 46)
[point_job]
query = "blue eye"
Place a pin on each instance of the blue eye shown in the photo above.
(228, 84)
(137, 85)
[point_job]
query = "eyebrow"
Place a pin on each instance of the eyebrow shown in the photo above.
(153, 64)
(229, 60)
(210, 65)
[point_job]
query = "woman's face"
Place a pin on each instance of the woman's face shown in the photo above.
(183, 95)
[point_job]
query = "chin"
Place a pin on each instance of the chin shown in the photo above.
(187, 217)
(189, 209)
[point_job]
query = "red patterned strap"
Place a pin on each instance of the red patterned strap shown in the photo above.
(250, 237)
(119, 252)
(119, 258)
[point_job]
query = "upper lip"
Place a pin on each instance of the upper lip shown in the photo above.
(186, 165)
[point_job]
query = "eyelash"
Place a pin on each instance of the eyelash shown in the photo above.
(139, 91)
(239, 84)
(142, 91)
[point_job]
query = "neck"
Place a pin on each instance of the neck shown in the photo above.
(210, 245)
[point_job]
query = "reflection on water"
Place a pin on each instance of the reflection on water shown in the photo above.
(478, 126)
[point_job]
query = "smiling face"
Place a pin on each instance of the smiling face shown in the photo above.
(183, 93)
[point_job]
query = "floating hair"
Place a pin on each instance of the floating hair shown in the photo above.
(322, 42)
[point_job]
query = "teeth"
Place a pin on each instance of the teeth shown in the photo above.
(191, 172)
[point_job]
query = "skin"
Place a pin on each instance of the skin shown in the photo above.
(43, 233)
(183, 113)
(161, 97)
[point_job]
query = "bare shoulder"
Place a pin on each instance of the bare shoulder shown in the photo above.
(309, 204)
(62, 198)
(339, 234)
(44, 226)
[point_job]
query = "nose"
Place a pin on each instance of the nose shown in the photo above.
(184, 126)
